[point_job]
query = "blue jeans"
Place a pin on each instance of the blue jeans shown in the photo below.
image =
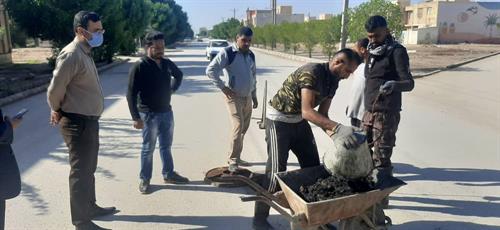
(157, 126)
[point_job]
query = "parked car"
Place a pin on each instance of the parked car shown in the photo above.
(214, 46)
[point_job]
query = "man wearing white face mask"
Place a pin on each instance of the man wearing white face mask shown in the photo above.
(76, 101)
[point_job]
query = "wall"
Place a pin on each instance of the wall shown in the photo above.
(465, 22)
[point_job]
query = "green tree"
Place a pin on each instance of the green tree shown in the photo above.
(359, 15)
(270, 35)
(283, 32)
(226, 30)
(309, 36)
(141, 12)
(329, 35)
(293, 31)
(169, 18)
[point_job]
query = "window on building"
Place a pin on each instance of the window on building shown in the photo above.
(420, 12)
(429, 11)
(409, 14)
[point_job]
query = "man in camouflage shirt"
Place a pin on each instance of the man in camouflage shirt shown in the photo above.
(289, 112)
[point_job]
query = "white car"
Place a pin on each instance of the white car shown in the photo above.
(214, 46)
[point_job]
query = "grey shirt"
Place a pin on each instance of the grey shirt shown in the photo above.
(75, 85)
(240, 75)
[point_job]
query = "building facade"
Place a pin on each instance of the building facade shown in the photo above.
(441, 21)
(264, 17)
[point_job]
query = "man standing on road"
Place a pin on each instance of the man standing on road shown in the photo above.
(76, 100)
(152, 81)
(238, 63)
(387, 74)
(356, 108)
(289, 112)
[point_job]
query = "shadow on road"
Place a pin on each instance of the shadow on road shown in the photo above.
(204, 222)
(459, 175)
(456, 225)
(453, 207)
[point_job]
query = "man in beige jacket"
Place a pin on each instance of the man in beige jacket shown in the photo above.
(76, 101)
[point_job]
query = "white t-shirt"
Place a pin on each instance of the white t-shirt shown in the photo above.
(356, 108)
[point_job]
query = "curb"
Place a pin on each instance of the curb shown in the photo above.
(452, 66)
(287, 56)
(417, 75)
(30, 92)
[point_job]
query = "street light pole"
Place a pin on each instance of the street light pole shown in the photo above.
(344, 24)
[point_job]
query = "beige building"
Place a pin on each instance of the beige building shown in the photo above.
(325, 16)
(452, 21)
(5, 43)
(264, 17)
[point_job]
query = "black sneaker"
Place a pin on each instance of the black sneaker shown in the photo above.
(144, 186)
(261, 224)
(175, 178)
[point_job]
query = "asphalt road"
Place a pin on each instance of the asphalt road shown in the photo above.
(448, 151)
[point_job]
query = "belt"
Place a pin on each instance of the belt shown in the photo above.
(80, 116)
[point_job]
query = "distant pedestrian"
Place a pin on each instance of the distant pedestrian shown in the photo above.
(238, 64)
(10, 178)
(152, 81)
(76, 102)
(356, 108)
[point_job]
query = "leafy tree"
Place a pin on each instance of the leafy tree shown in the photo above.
(283, 31)
(294, 33)
(141, 12)
(309, 36)
(226, 30)
(330, 34)
(359, 15)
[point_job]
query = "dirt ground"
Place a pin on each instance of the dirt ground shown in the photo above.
(426, 58)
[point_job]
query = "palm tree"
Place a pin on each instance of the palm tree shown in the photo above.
(491, 20)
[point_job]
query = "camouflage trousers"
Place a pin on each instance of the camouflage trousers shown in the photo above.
(381, 134)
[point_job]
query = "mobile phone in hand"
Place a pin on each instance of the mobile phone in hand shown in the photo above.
(20, 114)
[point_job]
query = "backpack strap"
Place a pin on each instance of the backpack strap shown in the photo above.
(231, 54)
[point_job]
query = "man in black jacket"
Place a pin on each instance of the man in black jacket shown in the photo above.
(387, 73)
(10, 179)
(150, 89)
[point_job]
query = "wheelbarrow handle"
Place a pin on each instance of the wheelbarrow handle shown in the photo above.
(252, 184)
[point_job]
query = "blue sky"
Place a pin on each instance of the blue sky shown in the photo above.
(206, 13)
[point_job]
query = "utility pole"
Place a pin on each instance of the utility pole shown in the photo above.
(234, 13)
(344, 24)
(273, 8)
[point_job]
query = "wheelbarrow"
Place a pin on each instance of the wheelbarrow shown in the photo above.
(302, 214)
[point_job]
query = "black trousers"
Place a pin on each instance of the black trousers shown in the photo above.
(82, 139)
(2, 214)
(282, 137)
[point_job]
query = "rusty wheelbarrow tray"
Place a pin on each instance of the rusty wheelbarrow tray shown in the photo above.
(327, 211)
